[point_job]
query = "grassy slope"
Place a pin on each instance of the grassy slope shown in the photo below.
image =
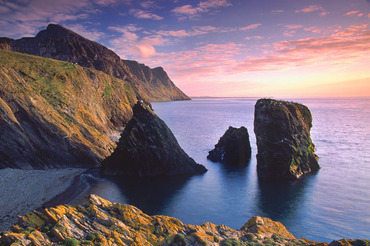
(61, 100)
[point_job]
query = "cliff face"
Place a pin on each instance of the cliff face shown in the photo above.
(100, 222)
(147, 147)
(285, 149)
(58, 114)
(62, 44)
(233, 148)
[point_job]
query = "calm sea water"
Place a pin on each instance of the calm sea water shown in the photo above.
(331, 204)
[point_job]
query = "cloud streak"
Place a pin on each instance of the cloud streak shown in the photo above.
(189, 11)
(313, 8)
(341, 47)
(143, 14)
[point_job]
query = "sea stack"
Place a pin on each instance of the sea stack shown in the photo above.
(147, 147)
(285, 149)
(233, 148)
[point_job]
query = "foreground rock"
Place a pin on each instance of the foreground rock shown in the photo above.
(233, 148)
(285, 149)
(100, 222)
(147, 147)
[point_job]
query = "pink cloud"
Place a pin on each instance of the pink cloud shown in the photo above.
(254, 37)
(142, 14)
(293, 26)
(250, 27)
(313, 8)
(342, 47)
(351, 12)
(148, 4)
(309, 9)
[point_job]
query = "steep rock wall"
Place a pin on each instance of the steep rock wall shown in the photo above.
(285, 148)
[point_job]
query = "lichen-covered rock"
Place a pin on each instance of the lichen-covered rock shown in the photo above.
(285, 149)
(233, 148)
(100, 222)
(147, 147)
(267, 227)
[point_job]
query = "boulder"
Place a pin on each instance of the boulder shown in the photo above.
(285, 149)
(233, 148)
(147, 147)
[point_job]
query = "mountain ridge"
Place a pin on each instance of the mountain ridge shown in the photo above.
(63, 44)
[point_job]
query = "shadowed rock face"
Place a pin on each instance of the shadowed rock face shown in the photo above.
(147, 147)
(285, 149)
(62, 44)
(233, 148)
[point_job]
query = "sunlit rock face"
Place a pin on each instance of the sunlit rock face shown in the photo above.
(147, 147)
(100, 222)
(58, 114)
(233, 148)
(285, 149)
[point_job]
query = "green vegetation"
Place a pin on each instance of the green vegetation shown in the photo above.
(179, 240)
(71, 242)
(232, 242)
(92, 236)
(107, 93)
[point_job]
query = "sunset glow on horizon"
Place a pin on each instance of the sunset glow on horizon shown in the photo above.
(227, 48)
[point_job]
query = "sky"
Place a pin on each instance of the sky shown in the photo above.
(229, 48)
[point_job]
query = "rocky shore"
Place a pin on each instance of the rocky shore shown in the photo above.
(100, 222)
(23, 191)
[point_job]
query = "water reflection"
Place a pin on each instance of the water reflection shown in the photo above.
(282, 199)
(151, 194)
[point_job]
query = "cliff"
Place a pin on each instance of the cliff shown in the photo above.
(233, 148)
(58, 114)
(285, 148)
(62, 44)
(100, 222)
(147, 147)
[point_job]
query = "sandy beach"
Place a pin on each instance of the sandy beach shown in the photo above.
(23, 191)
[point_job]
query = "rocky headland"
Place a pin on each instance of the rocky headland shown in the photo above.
(147, 147)
(100, 222)
(63, 44)
(233, 148)
(285, 148)
(56, 114)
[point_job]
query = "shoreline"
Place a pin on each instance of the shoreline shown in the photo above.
(24, 191)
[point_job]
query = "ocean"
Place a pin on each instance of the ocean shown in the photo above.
(331, 204)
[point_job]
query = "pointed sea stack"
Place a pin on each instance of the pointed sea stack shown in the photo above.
(147, 147)
(285, 149)
(233, 148)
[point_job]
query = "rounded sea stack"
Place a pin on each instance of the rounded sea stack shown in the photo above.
(233, 148)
